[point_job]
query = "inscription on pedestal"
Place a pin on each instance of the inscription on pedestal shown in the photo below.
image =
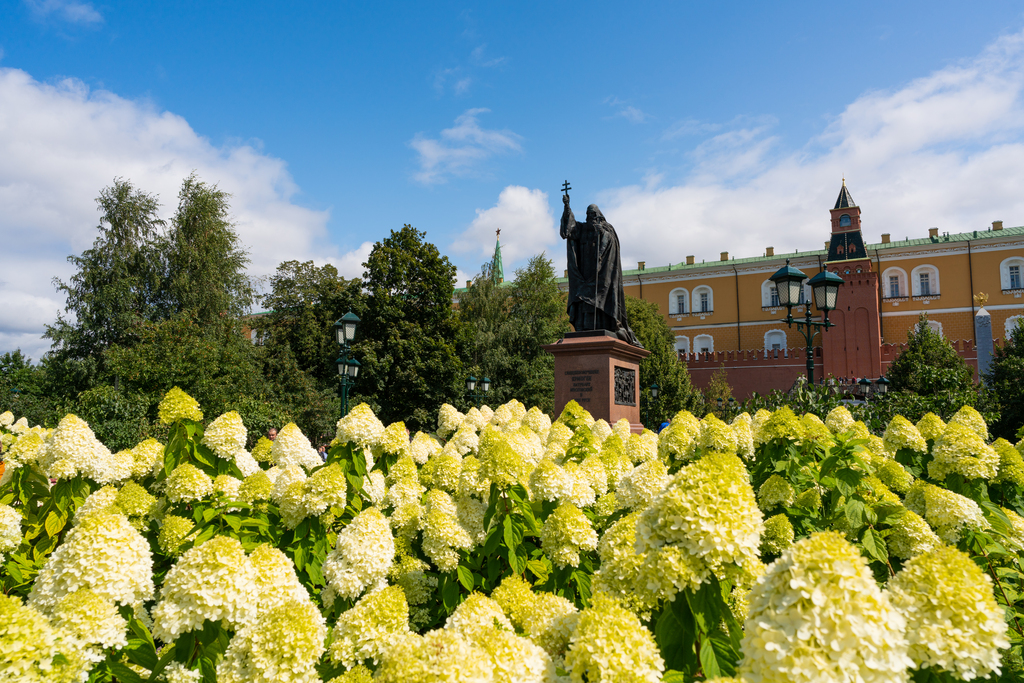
(625, 386)
(582, 384)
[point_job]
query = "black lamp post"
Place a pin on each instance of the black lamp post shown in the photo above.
(348, 368)
(655, 389)
(471, 385)
(825, 285)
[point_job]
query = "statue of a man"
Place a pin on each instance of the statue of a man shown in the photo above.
(596, 300)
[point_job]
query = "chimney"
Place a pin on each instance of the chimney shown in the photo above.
(689, 260)
(469, 283)
(933, 232)
(769, 251)
(640, 265)
(997, 225)
(565, 273)
(725, 256)
(885, 238)
(828, 243)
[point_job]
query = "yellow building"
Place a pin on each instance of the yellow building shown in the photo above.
(727, 311)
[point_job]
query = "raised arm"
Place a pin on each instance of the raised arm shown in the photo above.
(568, 227)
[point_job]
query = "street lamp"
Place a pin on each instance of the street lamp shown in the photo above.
(348, 368)
(883, 384)
(865, 386)
(655, 390)
(471, 385)
(825, 287)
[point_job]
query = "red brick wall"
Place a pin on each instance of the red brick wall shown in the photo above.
(750, 371)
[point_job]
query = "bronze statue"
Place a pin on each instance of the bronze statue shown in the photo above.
(596, 300)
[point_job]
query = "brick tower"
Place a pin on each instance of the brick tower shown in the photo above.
(852, 348)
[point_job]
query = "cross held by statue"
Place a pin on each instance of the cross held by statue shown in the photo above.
(565, 187)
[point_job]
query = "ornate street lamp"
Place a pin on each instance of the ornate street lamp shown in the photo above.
(348, 368)
(655, 390)
(472, 384)
(883, 384)
(865, 387)
(825, 287)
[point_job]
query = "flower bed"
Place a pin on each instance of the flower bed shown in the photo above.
(505, 547)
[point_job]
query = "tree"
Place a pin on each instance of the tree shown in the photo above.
(663, 367)
(303, 304)
(928, 376)
(407, 337)
(23, 388)
(1005, 379)
(117, 285)
(205, 259)
(718, 389)
(506, 328)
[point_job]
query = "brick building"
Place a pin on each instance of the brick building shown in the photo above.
(727, 312)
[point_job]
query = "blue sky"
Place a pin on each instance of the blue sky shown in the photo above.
(698, 127)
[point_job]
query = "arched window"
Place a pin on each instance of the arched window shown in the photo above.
(844, 220)
(1011, 273)
(935, 327)
(682, 345)
(774, 340)
(894, 283)
(678, 301)
(704, 343)
(769, 294)
(1012, 323)
(925, 280)
(703, 300)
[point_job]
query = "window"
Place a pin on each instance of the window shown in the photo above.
(1011, 324)
(704, 343)
(682, 345)
(844, 220)
(775, 340)
(895, 283)
(704, 302)
(935, 326)
(678, 301)
(1011, 273)
(925, 280)
(894, 286)
(774, 296)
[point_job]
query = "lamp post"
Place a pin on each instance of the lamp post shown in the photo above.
(883, 384)
(471, 385)
(348, 368)
(655, 389)
(825, 285)
(865, 387)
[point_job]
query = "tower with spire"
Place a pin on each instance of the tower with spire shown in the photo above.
(847, 242)
(497, 270)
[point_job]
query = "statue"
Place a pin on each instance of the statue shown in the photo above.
(596, 300)
(980, 299)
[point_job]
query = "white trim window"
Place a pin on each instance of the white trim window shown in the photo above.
(1011, 323)
(935, 327)
(703, 300)
(682, 345)
(1011, 273)
(679, 301)
(775, 340)
(926, 280)
(704, 343)
(894, 283)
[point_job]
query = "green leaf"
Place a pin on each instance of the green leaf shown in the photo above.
(874, 545)
(124, 673)
(847, 480)
(707, 606)
(53, 524)
(718, 657)
(540, 569)
(492, 505)
(359, 462)
(518, 559)
(854, 510)
(450, 594)
(514, 529)
(675, 634)
(465, 577)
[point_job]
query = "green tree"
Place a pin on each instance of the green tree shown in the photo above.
(506, 327)
(205, 258)
(407, 338)
(663, 367)
(116, 287)
(23, 389)
(718, 389)
(1004, 380)
(303, 303)
(928, 376)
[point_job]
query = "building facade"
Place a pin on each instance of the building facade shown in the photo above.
(727, 312)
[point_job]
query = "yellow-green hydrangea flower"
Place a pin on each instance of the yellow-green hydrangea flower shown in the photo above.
(901, 433)
(188, 483)
(893, 475)
(910, 536)
(953, 621)
(947, 512)
(10, 529)
(515, 597)
(226, 435)
(172, 533)
(282, 645)
(1011, 463)
(177, 405)
(778, 534)
(716, 435)
(261, 451)
(610, 645)
(574, 416)
(148, 458)
(972, 419)
(360, 427)
(931, 426)
(743, 427)
(439, 655)
(370, 628)
(30, 647)
(775, 491)
(566, 533)
(499, 461)
(962, 451)
(642, 447)
(783, 425)
(92, 620)
(818, 615)
(839, 420)
(619, 575)
(815, 430)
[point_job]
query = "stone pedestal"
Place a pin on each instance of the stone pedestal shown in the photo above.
(601, 373)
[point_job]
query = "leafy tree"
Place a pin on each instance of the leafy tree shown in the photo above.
(205, 259)
(928, 376)
(23, 388)
(408, 334)
(303, 304)
(116, 286)
(676, 392)
(718, 389)
(1005, 379)
(506, 327)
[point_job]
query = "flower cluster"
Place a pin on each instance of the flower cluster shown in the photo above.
(364, 552)
(443, 534)
(565, 534)
(281, 645)
(360, 427)
(962, 451)
(10, 529)
(177, 405)
(610, 644)
(226, 435)
(901, 433)
(371, 627)
(291, 447)
(188, 483)
(947, 512)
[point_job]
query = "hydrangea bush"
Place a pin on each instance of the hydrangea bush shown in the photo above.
(509, 547)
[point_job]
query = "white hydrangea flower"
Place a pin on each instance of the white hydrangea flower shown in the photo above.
(103, 553)
(443, 535)
(818, 615)
(326, 488)
(423, 447)
(610, 644)
(6, 418)
(583, 494)
(550, 620)
(226, 435)
(282, 645)
(374, 486)
(363, 554)
(448, 420)
(29, 646)
(716, 435)
(371, 627)
(638, 487)
(276, 581)
(901, 433)
(550, 482)
(92, 620)
(291, 447)
(477, 613)
(508, 417)
(953, 621)
(538, 421)
(642, 447)
(73, 450)
(742, 426)
(10, 529)
(515, 659)
(839, 420)
(360, 427)
(148, 457)
(188, 483)
(437, 656)
(246, 463)
(212, 581)
(26, 449)
(565, 534)
(911, 536)
(285, 477)
(947, 512)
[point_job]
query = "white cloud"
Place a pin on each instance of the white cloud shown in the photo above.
(627, 111)
(350, 265)
(461, 148)
(70, 11)
(526, 223)
(943, 150)
(61, 143)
